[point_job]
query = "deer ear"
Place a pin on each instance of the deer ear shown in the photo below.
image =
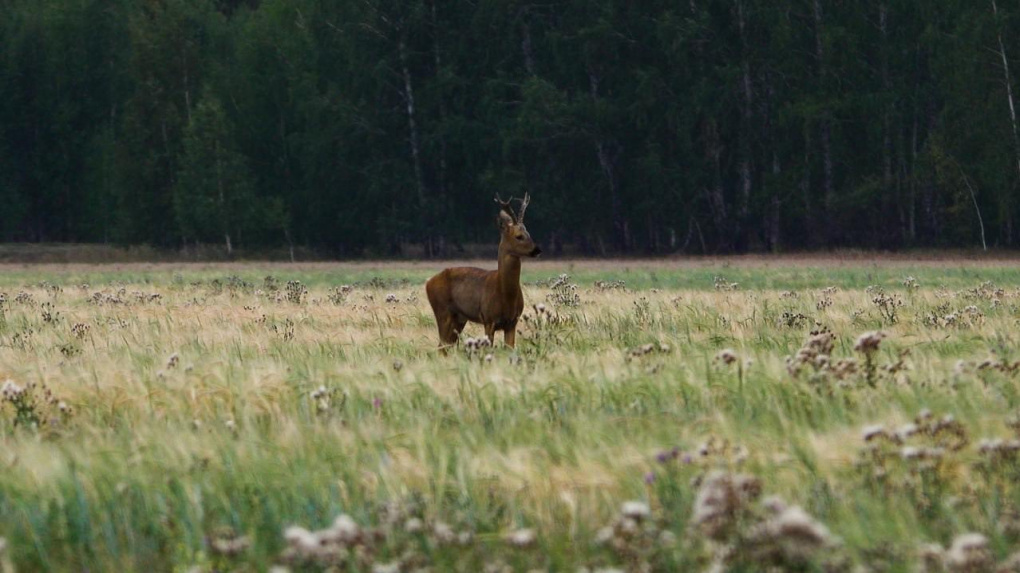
(504, 219)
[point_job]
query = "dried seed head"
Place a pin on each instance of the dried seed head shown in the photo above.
(969, 553)
(872, 432)
(392, 567)
(345, 528)
(636, 510)
(726, 356)
(868, 342)
(414, 525)
(522, 538)
(721, 498)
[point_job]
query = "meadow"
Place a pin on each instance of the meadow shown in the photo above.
(715, 415)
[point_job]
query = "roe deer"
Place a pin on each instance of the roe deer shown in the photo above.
(491, 298)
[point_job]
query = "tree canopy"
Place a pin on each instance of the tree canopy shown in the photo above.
(355, 127)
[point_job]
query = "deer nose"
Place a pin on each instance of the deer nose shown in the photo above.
(536, 251)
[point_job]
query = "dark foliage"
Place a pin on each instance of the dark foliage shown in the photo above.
(362, 126)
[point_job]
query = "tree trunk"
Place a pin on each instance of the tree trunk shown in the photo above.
(1008, 208)
(825, 131)
(746, 176)
(774, 209)
(526, 48)
(716, 195)
(887, 113)
(810, 221)
(608, 152)
(412, 124)
(912, 211)
(443, 184)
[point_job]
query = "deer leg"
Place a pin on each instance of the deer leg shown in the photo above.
(447, 329)
(458, 323)
(510, 336)
(490, 332)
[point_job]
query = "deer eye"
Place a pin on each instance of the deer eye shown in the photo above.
(520, 237)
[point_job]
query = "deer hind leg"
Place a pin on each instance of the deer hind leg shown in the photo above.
(449, 330)
(510, 336)
(490, 333)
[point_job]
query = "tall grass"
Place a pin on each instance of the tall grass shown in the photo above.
(221, 405)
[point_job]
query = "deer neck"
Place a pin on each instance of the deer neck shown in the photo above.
(508, 271)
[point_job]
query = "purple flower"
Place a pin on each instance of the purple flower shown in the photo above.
(649, 478)
(687, 458)
(675, 452)
(377, 403)
(662, 457)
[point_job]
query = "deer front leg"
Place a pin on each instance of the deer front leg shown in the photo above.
(510, 336)
(490, 332)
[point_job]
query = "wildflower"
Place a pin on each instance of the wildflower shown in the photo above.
(80, 330)
(522, 538)
(642, 350)
(969, 552)
(301, 539)
(793, 524)
(414, 525)
(636, 510)
(345, 528)
(906, 431)
(231, 425)
(489, 357)
(229, 545)
(930, 557)
(774, 504)
(720, 500)
(868, 342)
(377, 403)
(11, 391)
(172, 361)
(872, 432)
(604, 535)
(397, 364)
(392, 298)
(393, 567)
(727, 356)
(443, 533)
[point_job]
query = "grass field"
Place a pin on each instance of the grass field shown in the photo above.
(707, 415)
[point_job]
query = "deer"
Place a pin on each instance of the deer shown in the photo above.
(491, 298)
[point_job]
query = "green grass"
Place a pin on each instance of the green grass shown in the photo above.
(157, 459)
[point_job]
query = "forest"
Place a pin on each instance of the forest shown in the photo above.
(371, 127)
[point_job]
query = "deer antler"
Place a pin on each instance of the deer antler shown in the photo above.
(524, 207)
(505, 206)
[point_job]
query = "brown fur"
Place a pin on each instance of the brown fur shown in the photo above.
(494, 299)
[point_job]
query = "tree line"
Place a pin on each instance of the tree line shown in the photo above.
(357, 127)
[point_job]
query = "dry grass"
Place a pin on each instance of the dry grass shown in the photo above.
(222, 404)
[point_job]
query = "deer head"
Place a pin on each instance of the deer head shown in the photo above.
(515, 238)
